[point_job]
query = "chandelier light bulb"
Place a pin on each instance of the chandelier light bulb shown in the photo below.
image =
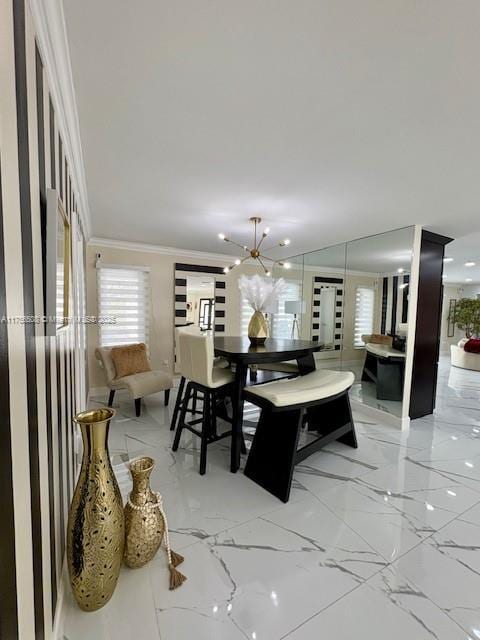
(268, 273)
(287, 265)
(238, 261)
(470, 263)
(226, 270)
(221, 236)
(266, 231)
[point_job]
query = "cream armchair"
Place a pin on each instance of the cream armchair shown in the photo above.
(138, 384)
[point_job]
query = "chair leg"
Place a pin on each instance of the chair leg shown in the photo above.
(178, 404)
(206, 430)
(111, 395)
(167, 396)
(181, 421)
(273, 452)
(213, 414)
(138, 408)
(194, 401)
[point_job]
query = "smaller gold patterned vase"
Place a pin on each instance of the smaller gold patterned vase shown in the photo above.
(257, 328)
(144, 524)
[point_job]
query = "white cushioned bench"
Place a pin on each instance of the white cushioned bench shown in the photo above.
(304, 389)
(319, 399)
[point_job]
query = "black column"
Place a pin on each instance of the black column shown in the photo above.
(427, 334)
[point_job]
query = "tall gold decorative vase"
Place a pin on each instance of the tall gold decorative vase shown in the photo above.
(144, 525)
(96, 526)
(257, 328)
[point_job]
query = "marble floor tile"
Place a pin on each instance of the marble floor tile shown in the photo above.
(376, 542)
(446, 569)
(387, 606)
(263, 576)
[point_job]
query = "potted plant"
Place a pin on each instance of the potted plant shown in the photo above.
(466, 316)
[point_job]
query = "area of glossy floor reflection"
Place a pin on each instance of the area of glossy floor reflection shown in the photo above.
(379, 542)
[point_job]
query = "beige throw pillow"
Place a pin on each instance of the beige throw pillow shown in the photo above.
(130, 359)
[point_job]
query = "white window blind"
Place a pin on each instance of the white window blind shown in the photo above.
(124, 295)
(364, 311)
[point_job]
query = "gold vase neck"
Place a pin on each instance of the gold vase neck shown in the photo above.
(94, 426)
(141, 470)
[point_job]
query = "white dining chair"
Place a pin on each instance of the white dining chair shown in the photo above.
(197, 366)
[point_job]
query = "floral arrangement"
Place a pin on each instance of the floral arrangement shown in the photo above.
(261, 293)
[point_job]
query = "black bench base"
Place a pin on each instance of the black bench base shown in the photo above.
(274, 451)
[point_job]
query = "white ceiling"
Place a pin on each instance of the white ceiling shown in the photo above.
(333, 119)
(466, 249)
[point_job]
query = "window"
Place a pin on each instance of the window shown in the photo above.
(280, 323)
(364, 310)
(124, 294)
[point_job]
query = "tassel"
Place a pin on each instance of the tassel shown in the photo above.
(176, 558)
(176, 578)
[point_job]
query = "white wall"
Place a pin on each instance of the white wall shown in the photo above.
(454, 292)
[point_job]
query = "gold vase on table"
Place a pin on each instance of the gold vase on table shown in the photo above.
(96, 526)
(144, 526)
(257, 328)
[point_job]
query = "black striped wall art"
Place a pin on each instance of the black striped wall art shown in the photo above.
(40, 377)
(395, 290)
(319, 284)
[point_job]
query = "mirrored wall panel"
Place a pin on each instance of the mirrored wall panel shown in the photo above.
(376, 319)
(352, 299)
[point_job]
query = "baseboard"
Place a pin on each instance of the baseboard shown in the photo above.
(59, 619)
(382, 416)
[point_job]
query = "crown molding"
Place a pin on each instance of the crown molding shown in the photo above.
(51, 33)
(155, 248)
(202, 255)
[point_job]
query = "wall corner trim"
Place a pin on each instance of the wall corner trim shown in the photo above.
(52, 41)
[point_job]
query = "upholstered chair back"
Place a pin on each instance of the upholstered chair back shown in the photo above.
(104, 358)
(190, 328)
(196, 357)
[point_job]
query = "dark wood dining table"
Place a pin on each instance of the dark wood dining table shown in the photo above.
(242, 353)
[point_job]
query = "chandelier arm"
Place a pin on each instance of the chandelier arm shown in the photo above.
(267, 258)
(275, 246)
(242, 246)
(264, 235)
(264, 267)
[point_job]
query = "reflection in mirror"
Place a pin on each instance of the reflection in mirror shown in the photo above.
(375, 326)
(201, 301)
(324, 285)
(286, 321)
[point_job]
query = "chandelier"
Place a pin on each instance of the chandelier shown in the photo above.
(255, 254)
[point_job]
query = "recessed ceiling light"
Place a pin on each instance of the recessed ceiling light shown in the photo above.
(468, 279)
(448, 259)
(400, 270)
(470, 263)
